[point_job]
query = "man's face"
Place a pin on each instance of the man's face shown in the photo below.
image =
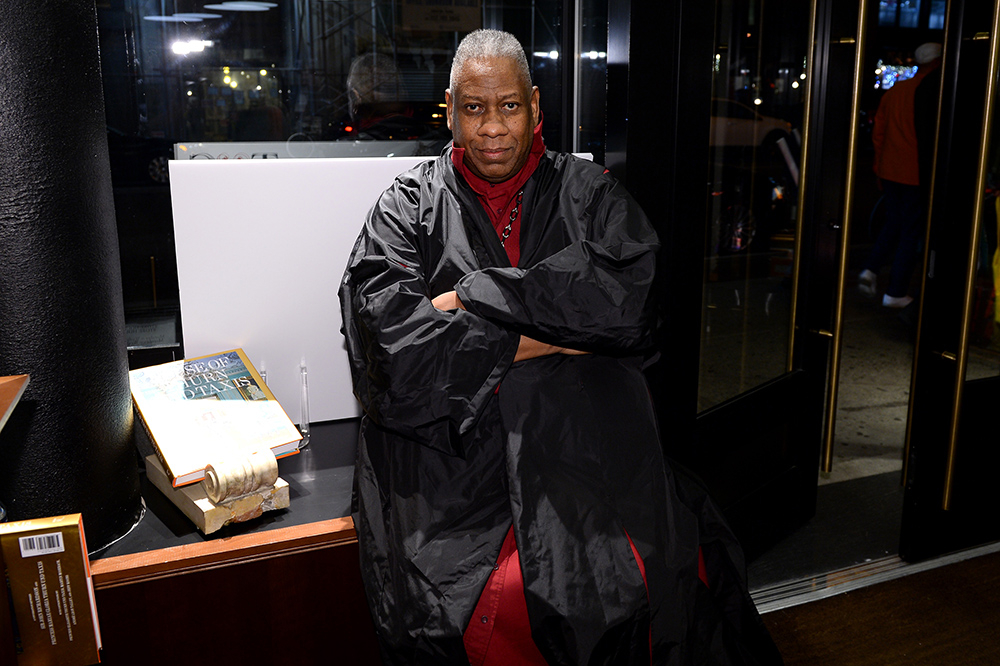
(492, 114)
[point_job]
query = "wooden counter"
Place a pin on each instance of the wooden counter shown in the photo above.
(283, 589)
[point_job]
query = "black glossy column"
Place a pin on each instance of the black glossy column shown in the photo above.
(68, 445)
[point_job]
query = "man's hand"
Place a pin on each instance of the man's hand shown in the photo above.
(447, 301)
(530, 348)
(526, 347)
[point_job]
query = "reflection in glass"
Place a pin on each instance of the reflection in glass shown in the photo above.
(312, 70)
(984, 329)
(300, 78)
(887, 12)
(936, 19)
(759, 90)
(889, 75)
(593, 72)
(909, 13)
(906, 14)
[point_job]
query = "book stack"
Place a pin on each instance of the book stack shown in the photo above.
(213, 413)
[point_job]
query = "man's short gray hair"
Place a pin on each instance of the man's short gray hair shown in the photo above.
(489, 44)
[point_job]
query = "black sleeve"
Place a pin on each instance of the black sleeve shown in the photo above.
(595, 294)
(424, 373)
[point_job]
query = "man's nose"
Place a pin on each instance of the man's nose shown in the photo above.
(494, 124)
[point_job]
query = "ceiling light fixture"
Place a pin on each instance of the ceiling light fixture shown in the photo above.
(242, 6)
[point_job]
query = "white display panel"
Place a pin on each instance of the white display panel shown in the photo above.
(261, 249)
(271, 150)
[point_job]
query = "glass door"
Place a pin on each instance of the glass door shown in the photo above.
(708, 126)
(952, 453)
(757, 405)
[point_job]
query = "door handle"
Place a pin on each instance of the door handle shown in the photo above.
(826, 458)
(804, 146)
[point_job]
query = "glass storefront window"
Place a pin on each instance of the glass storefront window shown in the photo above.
(909, 14)
(303, 78)
(759, 84)
(936, 21)
(887, 12)
(984, 326)
(186, 71)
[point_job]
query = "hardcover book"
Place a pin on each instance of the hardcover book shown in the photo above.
(204, 410)
(50, 591)
(11, 390)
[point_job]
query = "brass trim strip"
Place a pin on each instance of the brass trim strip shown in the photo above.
(845, 229)
(803, 179)
(927, 242)
(970, 271)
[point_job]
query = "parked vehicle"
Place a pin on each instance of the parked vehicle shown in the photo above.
(736, 124)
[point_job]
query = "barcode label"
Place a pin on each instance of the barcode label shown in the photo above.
(41, 544)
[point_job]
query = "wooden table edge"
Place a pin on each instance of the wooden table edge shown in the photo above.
(187, 558)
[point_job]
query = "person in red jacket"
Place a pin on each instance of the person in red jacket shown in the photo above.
(897, 160)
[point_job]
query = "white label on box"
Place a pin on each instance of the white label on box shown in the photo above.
(41, 544)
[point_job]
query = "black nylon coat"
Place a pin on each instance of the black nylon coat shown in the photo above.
(566, 449)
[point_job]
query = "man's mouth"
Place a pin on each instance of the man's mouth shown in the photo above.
(493, 153)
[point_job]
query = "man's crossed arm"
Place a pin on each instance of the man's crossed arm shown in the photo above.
(527, 348)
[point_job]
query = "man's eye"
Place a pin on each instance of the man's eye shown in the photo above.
(510, 106)
(472, 108)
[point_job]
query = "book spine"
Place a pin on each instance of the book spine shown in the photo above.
(8, 646)
(155, 447)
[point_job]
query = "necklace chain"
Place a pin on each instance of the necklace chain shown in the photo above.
(513, 216)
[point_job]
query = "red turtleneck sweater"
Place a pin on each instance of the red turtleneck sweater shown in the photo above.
(498, 198)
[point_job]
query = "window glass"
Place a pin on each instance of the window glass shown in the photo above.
(887, 12)
(304, 71)
(909, 14)
(984, 324)
(936, 21)
(190, 79)
(759, 83)
(591, 93)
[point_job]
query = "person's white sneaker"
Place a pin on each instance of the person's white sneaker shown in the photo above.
(896, 301)
(866, 283)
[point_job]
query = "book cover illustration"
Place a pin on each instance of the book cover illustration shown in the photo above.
(201, 411)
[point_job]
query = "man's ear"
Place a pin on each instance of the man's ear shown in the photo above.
(448, 102)
(535, 109)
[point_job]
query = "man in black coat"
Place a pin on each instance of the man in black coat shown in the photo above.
(511, 498)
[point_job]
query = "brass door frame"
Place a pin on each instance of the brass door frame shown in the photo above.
(803, 181)
(923, 278)
(830, 415)
(962, 353)
(960, 356)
